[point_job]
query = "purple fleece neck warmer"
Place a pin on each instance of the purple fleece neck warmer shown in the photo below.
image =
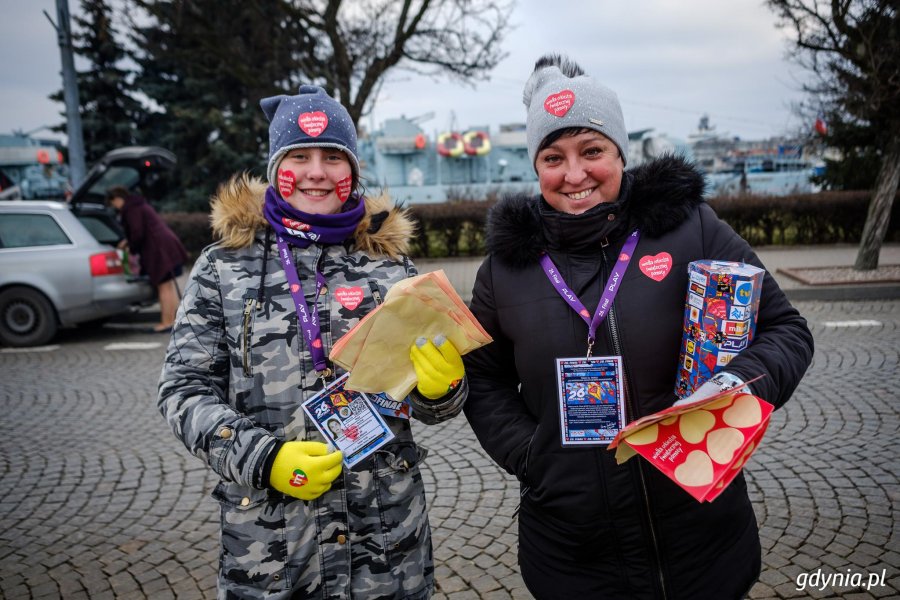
(302, 229)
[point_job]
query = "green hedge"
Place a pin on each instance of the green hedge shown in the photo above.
(457, 228)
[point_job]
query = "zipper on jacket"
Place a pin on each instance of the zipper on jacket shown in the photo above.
(245, 335)
(376, 293)
(629, 404)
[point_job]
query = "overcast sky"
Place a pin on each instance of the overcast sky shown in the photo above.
(670, 61)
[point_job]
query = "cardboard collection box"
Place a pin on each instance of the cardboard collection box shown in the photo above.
(719, 319)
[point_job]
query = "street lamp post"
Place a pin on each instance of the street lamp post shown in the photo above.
(70, 93)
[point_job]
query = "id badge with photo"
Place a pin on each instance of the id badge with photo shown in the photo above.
(348, 420)
(591, 402)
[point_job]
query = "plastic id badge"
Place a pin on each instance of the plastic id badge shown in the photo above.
(348, 421)
(591, 407)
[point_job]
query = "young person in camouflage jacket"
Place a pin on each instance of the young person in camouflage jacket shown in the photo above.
(245, 354)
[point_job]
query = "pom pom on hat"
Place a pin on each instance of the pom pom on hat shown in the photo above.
(558, 95)
(312, 118)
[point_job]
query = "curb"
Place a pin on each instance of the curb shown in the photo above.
(838, 293)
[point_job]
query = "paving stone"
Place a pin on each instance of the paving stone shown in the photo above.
(108, 521)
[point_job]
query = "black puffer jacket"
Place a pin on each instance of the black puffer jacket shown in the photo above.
(651, 533)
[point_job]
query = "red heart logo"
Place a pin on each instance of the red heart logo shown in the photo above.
(313, 123)
(343, 188)
(349, 298)
(295, 288)
(286, 182)
(352, 432)
(656, 267)
(559, 104)
(716, 307)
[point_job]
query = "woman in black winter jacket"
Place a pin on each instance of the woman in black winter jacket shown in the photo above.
(589, 528)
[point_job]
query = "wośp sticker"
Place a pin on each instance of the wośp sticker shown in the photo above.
(313, 123)
(286, 182)
(559, 104)
(343, 188)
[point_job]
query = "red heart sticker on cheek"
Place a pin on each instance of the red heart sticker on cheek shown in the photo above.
(559, 104)
(286, 182)
(313, 123)
(656, 267)
(343, 188)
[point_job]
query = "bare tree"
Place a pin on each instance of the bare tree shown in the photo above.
(853, 48)
(355, 43)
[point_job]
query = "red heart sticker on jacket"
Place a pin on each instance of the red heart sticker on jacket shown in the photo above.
(656, 267)
(313, 123)
(349, 298)
(559, 104)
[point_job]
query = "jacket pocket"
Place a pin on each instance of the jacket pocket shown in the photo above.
(252, 544)
(401, 499)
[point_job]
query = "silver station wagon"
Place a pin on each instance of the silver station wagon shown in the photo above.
(58, 262)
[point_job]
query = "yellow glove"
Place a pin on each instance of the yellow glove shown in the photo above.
(305, 470)
(439, 367)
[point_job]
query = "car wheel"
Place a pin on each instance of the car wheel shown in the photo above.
(26, 317)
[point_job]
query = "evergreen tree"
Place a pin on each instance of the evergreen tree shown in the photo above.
(206, 64)
(109, 113)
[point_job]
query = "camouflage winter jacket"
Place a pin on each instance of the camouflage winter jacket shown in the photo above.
(235, 375)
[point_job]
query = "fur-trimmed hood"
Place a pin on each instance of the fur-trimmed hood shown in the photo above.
(237, 216)
(660, 195)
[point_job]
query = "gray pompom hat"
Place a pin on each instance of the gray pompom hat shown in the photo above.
(312, 118)
(558, 95)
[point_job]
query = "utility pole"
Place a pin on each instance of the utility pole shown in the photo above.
(70, 92)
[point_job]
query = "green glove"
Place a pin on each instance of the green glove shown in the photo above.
(305, 470)
(439, 367)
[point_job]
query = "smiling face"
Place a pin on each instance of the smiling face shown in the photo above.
(315, 180)
(578, 172)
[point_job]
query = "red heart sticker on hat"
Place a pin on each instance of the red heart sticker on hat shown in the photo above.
(656, 267)
(349, 298)
(559, 104)
(286, 182)
(343, 188)
(313, 123)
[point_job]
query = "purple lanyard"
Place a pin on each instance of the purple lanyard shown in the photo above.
(609, 292)
(306, 317)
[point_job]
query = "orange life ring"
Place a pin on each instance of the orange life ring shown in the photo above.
(476, 143)
(43, 157)
(420, 141)
(450, 144)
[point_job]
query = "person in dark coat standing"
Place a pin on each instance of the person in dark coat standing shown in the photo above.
(589, 528)
(162, 253)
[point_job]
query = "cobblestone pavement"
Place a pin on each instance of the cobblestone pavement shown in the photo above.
(98, 499)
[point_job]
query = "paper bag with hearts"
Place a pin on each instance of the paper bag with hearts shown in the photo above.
(701, 446)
